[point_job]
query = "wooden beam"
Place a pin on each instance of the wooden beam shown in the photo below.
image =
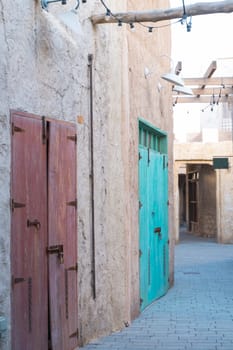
(201, 99)
(210, 71)
(210, 91)
(224, 81)
(197, 9)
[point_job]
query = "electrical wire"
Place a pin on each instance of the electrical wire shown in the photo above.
(77, 6)
(150, 28)
(157, 27)
(184, 9)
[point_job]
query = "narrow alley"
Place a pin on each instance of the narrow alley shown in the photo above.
(196, 314)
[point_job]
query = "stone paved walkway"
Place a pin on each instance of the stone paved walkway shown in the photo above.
(196, 314)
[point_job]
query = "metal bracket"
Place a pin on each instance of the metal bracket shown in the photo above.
(15, 205)
(73, 203)
(157, 230)
(57, 249)
(16, 129)
(73, 268)
(35, 223)
(75, 334)
(72, 138)
(44, 3)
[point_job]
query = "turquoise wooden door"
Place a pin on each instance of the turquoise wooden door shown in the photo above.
(153, 215)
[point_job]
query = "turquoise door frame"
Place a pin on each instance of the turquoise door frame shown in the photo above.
(153, 213)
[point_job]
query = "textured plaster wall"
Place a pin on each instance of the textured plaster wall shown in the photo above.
(150, 99)
(44, 71)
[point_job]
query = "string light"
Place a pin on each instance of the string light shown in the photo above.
(150, 29)
(45, 3)
(132, 27)
(184, 19)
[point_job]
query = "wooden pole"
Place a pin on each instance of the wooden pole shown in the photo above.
(197, 9)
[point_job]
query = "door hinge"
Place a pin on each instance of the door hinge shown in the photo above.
(73, 138)
(73, 203)
(139, 156)
(148, 156)
(44, 130)
(141, 301)
(140, 253)
(75, 334)
(14, 205)
(16, 280)
(168, 203)
(15, 128)
(140, 204)
(73, 268)
(168, 242)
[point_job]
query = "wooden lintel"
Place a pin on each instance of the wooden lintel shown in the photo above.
(220, 81)
(201, 8)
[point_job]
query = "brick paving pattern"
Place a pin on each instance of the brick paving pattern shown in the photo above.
(196, 314)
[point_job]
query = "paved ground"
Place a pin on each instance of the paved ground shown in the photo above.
(196, 314)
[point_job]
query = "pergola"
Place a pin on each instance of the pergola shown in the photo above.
(206, 89)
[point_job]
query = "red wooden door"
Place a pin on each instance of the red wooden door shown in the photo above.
(44, 234)
(29, 235)
(62, 236)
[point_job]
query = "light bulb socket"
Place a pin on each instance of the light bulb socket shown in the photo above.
(107, 15)
(45, 3)
(150, 29)
(132, 26)
(119, 23)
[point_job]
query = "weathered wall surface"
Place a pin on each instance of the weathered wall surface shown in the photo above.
(44, 71)
(150, 99)
(199, 153)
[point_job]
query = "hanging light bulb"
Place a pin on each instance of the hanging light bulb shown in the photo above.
(189, 25)
(132, 27)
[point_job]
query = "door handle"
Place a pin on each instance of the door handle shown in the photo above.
(157, 230)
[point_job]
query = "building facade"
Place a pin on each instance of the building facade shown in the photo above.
(60, 77)
(203, 174)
